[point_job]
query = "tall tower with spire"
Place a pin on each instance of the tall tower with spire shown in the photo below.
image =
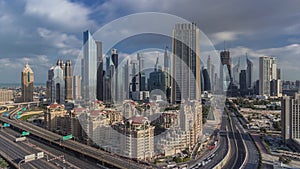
(27, 79)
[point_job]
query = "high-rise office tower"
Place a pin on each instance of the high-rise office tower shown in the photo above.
(114, 73)
(278, 73)
(77, 87)
(68, 76)
(158, 80)
(141, 73)
(243, 83)
(100, 72)
(225, 70)
(267, 72)
(186, 63)
(27, 79)
(236, 72)
(290, 117)
(114, 57)
(126, 86)
(211, 72)
(167, 65)
(134, 83)
(89, 69)
(56, 85)
(206, 80)
(167, 60)
(209, 66)
(276, 87)
(249, 72)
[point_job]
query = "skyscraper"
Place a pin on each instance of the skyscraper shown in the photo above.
(77, 87)
(267, 72)
(141, 73)
(100, 72)
(206, 80)
(249, 72)
(243, 84)
(126, 81)
(225, 70)
(56, 85)
(209, 66)
(236, 72)
(114, 73)
(167, 64)
(290, 118)
(68, 76)
(186, 63)
(211, 72)
(27, 79)
(89, 66)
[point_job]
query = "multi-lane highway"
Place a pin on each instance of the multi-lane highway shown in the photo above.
(102, 157)
(214, 157)
(253, 155)
(238, 148)
(17, 152)
(54, 155)
(243, 153)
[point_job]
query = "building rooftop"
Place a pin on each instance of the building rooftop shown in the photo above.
(55, 106)
(27, 68)
(138, 119)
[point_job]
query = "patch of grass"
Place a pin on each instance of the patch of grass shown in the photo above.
(25, 118)
(266, 145)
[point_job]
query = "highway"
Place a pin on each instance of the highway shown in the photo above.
(17, 153)
(102, 156)
(238, 153)
(71, 161)
(253, 155)
(220, 151)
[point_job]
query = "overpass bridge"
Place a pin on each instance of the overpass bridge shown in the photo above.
(103, 157)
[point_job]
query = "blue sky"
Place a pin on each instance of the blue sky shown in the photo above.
(39, 32)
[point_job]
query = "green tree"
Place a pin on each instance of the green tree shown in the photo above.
(3, 163)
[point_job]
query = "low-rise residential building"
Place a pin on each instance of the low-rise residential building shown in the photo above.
(6, 95)
(53, 116)
(138, 142)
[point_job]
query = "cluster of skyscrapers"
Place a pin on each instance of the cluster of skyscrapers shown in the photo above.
(60, 82)
(234, 81)
(117, 82)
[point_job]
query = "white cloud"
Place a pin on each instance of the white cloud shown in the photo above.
(13, 66)
(66, 44)
(227, 36)
(287, 56)
(62, 13)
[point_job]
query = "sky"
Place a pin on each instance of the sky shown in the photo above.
(40, 32)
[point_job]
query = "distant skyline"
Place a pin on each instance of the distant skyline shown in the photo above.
(40, 32)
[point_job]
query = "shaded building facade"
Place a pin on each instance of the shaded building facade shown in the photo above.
(27, 79)
(186, 63)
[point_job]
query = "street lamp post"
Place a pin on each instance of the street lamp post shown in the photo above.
(19, 164)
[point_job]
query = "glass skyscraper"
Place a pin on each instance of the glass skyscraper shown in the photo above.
(186, 63)
(91, 56)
